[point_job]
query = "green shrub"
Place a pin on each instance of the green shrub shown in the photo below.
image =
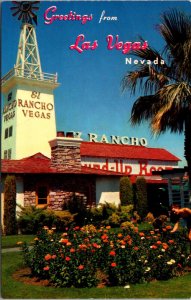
(141, 197)
(126, 191)
(77, 206)
(31, 219)
(62, 220)
(10, 223)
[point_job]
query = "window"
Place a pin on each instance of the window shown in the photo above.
(42, 195)
(9, 153)
(5, 154)
(8, 132)
(9, 96)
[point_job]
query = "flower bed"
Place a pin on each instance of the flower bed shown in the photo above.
(86, 257)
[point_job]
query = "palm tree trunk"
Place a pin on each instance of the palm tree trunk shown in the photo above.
(187, 148)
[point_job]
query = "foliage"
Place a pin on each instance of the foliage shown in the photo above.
(13, 289)
(141, 197)
(31, 219)
(62, 219)
(78, 257)
(10, 223)
(126, 191)
(76, 205)
(149, 218)
(166, 87)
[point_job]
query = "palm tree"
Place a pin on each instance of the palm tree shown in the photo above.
(166, 86)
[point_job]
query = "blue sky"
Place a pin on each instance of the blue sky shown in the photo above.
(89, 98)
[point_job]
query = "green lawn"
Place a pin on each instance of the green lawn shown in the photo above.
(10, 241)
(175, 288)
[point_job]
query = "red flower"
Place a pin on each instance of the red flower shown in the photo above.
(165, 246)
(171, 241)
(104, 237)
(46, 268)
(53, 256)
(80, 267)
(72, 250)
(153, 247)
(168, 227)
(136, 248)
(159, 242)
(64, 241)
(47, 257)
(112, 253)
(113, 264)
(141, 234)
(67, 258)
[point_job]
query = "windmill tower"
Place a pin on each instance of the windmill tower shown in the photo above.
(28, 119)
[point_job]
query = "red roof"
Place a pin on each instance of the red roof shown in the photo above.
(90, 149)
(40, 164)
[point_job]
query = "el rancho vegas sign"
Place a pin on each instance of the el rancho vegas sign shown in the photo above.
(112, 139)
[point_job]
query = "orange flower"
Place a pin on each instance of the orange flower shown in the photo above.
(119, 235)
(123, 242)
(72, 250)
(68, 244)
(46, 268)
(168, 227)
(136, 248)
(159, 242)
(104, 237)
(64, 241)
(80, 267)
(47, 257)
(141, 234)
(113, 264)
(152, 232)
(165, 246)
(112, 253)
(53, 256)
(67, 258)
(108, 227)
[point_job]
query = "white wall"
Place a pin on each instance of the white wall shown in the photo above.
(107, 190)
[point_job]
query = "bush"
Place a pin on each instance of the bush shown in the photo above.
(62, 220)
(10, 223)
(76, 205)
(126, 191)
(31, 219)
(81, 258)
(141, 197)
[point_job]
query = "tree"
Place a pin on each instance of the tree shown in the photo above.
(126, 191)
(10, 222)
(141, 196)
(166, 86)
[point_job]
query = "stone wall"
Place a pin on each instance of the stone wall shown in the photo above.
(65, 154)
(61, 188)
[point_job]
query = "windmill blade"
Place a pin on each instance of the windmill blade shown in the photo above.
(20, 16)
(35, 8)
(15, 7)
(24, 10)
(16, 13)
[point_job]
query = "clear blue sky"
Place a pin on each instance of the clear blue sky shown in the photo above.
(89, 98)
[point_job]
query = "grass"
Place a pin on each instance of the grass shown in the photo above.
(174, 288)
(10, 241)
